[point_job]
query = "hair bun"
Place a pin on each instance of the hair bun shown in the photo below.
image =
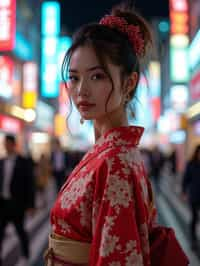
(133, 32)
(126, 12)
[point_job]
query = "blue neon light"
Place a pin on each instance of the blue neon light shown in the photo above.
(23, 48)
(50, 18)
(49, 68)
(64, 45)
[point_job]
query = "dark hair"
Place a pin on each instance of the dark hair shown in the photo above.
(10, 138)
(112, 44)
(195, 154)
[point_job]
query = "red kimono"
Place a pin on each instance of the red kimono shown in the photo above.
(107, 201)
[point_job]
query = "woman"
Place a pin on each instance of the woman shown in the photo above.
(104, 211)
(191, 188)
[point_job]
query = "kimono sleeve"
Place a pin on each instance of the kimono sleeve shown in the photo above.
(116, 239)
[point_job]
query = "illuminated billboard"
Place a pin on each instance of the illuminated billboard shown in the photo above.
(6, 76)
(30, 84)
(7, 24)
(50, 40)
(50, 18)
(49, 68)
(64, 45)
(179, 68)
(179, 39)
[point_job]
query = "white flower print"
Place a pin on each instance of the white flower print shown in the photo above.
(108, 244)
(85, 208)
(64, 226)
(126, 171)
(110, 163)
(95, 211)
(144, 189)
(111, 137)
(134, 259)
(130, 246)
(122, 142)
(118, 191)
(74, 191)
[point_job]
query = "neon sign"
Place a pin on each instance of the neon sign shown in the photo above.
(7, 24)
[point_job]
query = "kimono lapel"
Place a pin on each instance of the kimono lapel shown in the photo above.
(131, 133)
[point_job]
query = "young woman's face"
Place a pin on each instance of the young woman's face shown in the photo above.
(89, 86)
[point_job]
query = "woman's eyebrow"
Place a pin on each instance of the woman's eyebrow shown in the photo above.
(87, 70)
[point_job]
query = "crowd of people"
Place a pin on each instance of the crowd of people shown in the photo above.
(23, 180)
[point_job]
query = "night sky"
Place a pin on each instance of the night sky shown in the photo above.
(77, 12)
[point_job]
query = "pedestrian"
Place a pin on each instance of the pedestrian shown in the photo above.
(172, 159)
(43, 174)
(191, 189)
(104, 212)
(157, 163)
(16, 194)
(59, 164)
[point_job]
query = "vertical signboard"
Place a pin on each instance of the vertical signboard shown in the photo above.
(64, 45)
(50, 31)
(50, 18)
(30, 84)
(179, 17)
(7, 24)
(6, 76)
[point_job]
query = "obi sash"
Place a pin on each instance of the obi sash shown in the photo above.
(66, 252)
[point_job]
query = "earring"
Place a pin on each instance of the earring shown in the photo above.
(127, 98)
(81, 120)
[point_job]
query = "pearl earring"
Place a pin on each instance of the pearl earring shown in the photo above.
(127, 98)
(81, 120)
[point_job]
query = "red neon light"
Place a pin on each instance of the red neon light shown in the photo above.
(179, 5)
(7, 24)
(156, 108)
(6, 72)
(9, 124)
(195, 87)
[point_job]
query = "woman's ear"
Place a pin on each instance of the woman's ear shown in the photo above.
(131, 82)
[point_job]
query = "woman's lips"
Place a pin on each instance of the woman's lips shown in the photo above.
(84, 106)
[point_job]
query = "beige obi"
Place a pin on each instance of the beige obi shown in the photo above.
(63, 251)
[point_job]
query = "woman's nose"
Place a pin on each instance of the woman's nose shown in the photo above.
(83, 88)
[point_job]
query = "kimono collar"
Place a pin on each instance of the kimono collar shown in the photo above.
(129, 135)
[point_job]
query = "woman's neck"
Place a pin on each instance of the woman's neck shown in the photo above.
(112, 120)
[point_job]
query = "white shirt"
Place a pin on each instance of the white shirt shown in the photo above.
(7, 172)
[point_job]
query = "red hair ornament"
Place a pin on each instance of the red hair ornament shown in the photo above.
(133, 32)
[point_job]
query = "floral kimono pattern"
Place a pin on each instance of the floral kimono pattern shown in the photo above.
(107, 201)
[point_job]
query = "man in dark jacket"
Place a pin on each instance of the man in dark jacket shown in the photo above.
(16, 193)
(59, 163)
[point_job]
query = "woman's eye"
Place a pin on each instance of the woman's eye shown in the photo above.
(72, 78)
(98, 76)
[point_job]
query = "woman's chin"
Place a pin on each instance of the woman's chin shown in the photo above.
(87, 117)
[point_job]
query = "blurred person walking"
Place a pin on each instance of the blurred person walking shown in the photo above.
(191, 191)
(16, 194)
(157, 162)
(58, 163)
(43, 173)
